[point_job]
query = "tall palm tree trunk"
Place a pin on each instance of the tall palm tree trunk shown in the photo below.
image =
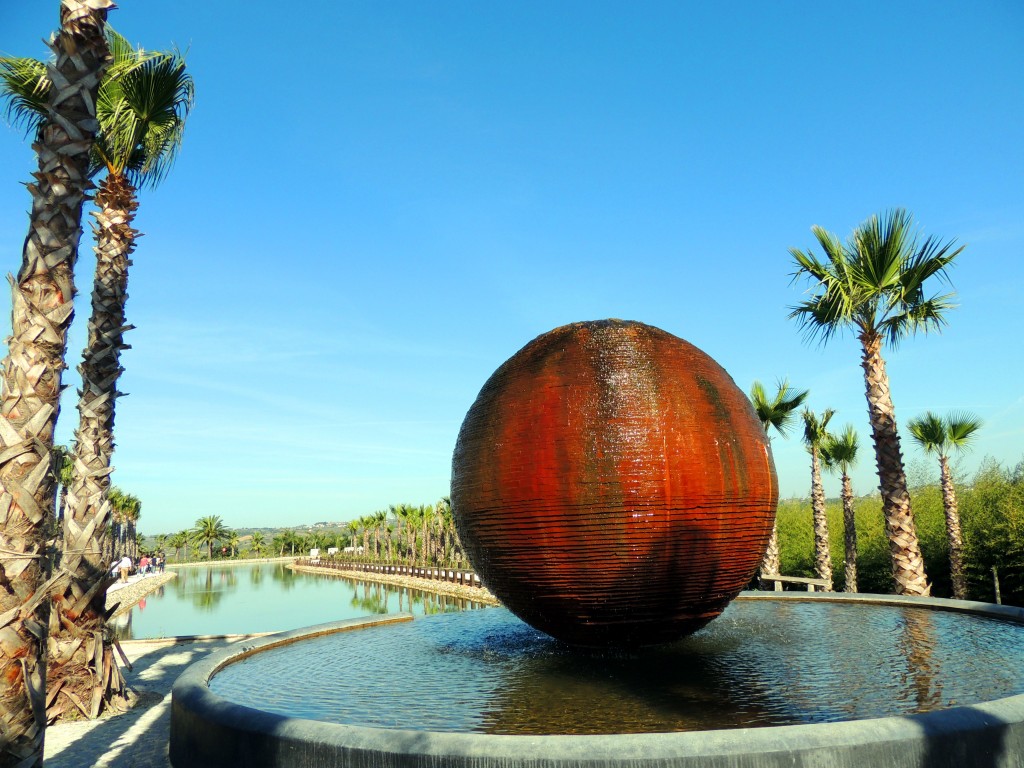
(849, 537)
(822, 556)
(770, 563)
(956, 539)
(41, 314)
(94, 676)
(904, 548)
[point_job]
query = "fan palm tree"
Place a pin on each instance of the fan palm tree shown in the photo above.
(815, 436)
(41, 312)
(941, 437)
(208, 530)
(776, 412)
(141, 107)
(874, 285)
(840, 453)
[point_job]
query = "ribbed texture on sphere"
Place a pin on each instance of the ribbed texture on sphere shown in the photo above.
(612, 485)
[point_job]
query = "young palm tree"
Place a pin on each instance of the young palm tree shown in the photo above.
(815, 436)
(840, 453)
(208, 530)
(942, 436)
(776, 412)
(874, 286)
(41, 312)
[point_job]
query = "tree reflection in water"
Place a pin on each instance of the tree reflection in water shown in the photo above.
(268, 597)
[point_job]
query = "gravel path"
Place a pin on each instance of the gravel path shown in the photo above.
(128, 594)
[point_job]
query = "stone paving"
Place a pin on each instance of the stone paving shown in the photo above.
(138, 738)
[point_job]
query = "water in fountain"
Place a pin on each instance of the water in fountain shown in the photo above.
(762, 663)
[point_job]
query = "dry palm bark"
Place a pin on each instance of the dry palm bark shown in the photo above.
(907, 563)
(956, 538)
(822, 556)
(41, 312)
(850, 537)
(770, 563)
(82, 665)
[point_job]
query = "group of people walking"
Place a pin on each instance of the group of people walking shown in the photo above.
(147, 564)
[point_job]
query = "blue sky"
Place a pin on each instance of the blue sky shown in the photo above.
(377, 204)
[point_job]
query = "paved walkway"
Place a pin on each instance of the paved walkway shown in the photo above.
(136, 739)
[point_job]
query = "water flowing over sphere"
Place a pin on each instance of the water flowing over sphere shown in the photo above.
(612, 485)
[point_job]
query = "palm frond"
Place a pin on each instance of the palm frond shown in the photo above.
(929, 432)
(921, 317)
(961, 427)
(815, 428)
(839, 451)
(141, 107)
(25, 87)
(776, 411)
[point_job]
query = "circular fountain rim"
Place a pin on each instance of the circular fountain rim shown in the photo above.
(208, 730)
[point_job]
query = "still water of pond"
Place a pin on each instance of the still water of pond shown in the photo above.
(266, 597)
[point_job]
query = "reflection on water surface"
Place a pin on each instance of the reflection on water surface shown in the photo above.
(266, 597)
(761, 663)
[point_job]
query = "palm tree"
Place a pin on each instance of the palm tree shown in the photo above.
(63, 469)
(815, 436)
(41, 313)
(178, 540)
(874, 286)
(840, 452)
(380, 520)
(208, 530)
(132, 510)
(776, 412)
(942, 436)
(232, 542)
(141, 107)
(257, 545)
(279, 543)
(118, 517)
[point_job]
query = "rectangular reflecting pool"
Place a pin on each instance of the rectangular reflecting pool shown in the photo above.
(266, 597)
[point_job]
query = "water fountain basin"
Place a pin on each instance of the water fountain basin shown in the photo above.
(208, 730)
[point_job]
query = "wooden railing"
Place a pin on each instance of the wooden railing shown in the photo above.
(466, 578)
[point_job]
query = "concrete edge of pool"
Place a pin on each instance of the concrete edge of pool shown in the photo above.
(207, 730)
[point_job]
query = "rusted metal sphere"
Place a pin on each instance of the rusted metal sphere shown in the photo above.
(612, 485)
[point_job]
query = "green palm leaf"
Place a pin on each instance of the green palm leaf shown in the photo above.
(25, 86)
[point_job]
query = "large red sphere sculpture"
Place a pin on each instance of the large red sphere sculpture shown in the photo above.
(612, 485)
